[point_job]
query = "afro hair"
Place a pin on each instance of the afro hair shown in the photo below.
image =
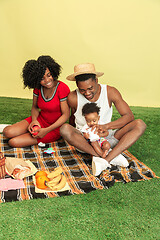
(34, 70)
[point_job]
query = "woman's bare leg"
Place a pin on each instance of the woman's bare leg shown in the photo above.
(16, 129)
(23, 140)
(19, 135)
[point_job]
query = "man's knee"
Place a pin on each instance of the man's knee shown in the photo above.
(140, 125)
(65, 130)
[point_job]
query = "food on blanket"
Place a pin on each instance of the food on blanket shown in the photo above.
(41, 182)
(20, 172)
(34, 129)
(61, 184)
(55, 173)
(24, 168)
(54, 181)
(40, 173)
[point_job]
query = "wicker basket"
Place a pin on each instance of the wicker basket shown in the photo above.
(2, 166)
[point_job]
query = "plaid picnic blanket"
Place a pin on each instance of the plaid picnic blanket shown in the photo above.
(76, 167)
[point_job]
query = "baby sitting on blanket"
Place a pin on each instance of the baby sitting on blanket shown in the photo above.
(91, 113)
(101, 145)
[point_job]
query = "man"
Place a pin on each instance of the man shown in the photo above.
(124, 131)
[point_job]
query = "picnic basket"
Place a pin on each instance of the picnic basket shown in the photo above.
(2, 165)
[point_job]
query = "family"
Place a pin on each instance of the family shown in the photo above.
(88, 108)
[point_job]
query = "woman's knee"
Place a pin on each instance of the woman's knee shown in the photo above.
(12, 142)
(7, 132)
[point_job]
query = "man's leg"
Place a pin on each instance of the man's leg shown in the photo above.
(127, 136)
(75, 138)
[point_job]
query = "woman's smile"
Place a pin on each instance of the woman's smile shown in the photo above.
(47, 80)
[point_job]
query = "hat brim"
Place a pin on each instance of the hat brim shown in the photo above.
(72, 76)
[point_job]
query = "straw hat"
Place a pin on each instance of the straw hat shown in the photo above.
(82, 69)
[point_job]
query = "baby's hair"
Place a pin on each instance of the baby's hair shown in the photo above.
(90, 108)
(34, 70)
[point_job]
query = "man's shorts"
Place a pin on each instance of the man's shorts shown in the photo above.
(111, 139)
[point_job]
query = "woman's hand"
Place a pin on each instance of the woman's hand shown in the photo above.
(41, 133)
(30, 127)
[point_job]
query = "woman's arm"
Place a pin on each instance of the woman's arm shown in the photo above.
(34, 113)
(62, 119)
(72, 102)
(35, 109)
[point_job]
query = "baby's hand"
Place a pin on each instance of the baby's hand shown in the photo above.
(86, 135)
(102, 131)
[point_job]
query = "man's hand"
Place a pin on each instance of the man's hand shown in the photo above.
(101, 130)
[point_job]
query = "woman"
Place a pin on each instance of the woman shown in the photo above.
(49, 109)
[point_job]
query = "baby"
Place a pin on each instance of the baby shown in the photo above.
(103, 145)
(91, 113)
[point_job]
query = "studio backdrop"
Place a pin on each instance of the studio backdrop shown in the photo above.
(122, 39)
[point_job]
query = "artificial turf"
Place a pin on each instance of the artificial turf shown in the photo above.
(124, 211)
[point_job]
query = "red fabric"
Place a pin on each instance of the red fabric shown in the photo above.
(50, 110)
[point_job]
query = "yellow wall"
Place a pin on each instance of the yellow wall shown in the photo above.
(122, 38)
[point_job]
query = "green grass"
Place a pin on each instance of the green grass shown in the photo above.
(14, 109)
(125, 211)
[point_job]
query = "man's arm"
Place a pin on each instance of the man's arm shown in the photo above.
(122, 107)
(72, 102)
